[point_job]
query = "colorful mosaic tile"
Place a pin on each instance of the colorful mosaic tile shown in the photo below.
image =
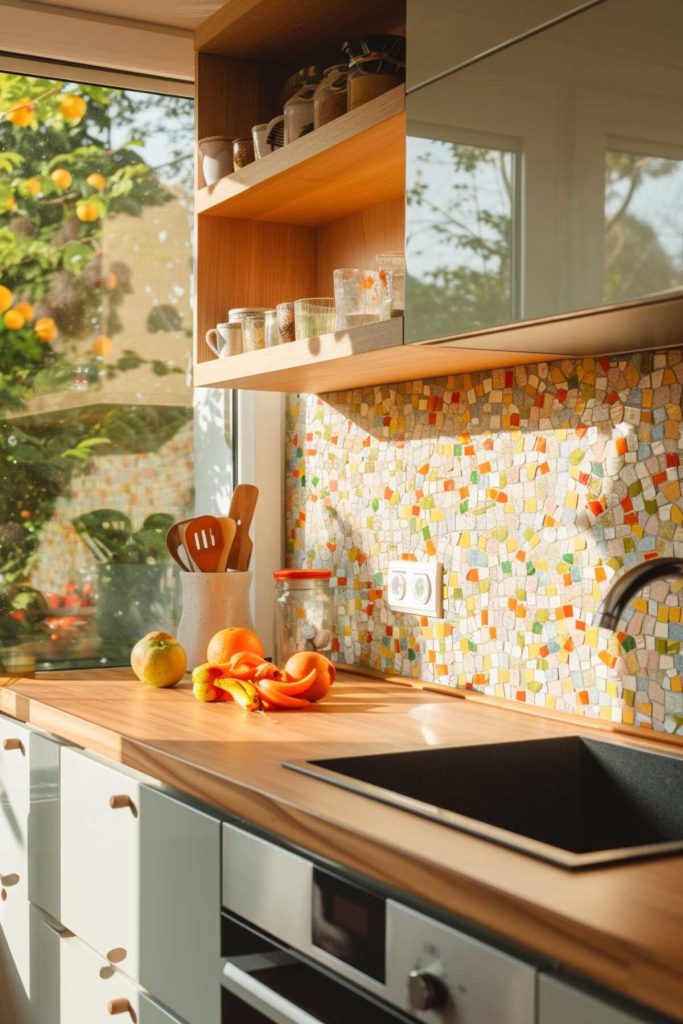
(534, 486)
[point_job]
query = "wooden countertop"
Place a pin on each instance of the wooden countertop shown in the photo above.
(620, 925)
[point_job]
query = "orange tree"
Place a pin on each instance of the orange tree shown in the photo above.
(60, 177)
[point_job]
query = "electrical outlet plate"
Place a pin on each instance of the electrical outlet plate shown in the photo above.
(416, 588)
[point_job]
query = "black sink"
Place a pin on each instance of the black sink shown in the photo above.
(573, 801)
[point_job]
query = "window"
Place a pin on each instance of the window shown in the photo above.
(96, 418)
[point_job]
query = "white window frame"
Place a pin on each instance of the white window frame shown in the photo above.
(258, 432)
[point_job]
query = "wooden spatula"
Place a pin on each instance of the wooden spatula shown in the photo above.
(203, 542)
(174, 542)
(228, 529)
(242, 506)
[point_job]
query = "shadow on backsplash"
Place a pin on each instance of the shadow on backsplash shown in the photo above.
(533, 486)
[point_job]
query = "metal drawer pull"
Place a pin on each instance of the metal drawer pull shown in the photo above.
(12, 744)
(273, 1006)
(121, 800)
(9, 880)
(115, 1006)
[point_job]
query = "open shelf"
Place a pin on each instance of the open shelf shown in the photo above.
(354, 162)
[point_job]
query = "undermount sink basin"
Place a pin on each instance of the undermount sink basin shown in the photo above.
(576, 802)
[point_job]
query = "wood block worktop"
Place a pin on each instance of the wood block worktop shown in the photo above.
(621, 925)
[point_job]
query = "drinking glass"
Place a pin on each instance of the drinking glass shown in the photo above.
(314, 316)
(285, 322)
(392, 272)
(271, 332)
(254, 331)
(357, 295)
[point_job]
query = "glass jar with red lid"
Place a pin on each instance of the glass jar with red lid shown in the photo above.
(303, 612)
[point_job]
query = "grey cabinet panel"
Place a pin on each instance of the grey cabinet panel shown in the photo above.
(547, 178)
(445, 33)
(563, 1004)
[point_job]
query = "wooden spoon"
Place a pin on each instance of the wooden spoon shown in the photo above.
(174, 541)
(242, 507)
(203, 542)
(228, 529)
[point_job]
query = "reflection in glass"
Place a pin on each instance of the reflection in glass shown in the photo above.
(461, 201)
(643, 225)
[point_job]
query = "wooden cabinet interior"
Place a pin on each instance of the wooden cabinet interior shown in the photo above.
(275, 231)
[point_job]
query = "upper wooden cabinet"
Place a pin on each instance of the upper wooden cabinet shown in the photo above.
(546, 178)
(542, 185)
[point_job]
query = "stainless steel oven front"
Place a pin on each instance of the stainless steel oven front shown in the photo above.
(309, 944)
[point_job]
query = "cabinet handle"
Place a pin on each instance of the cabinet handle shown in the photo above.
(9, 880)
(115, 1006)
(12, 744)
(120, 800)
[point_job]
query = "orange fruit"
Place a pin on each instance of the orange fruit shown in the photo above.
(6, 298)
(233, 640)
(97, 180)
(10, 203)
(158, 660)
(72, 108)
(112, 281)
(26, 310)
(33, 186)
(22, 113)
(13, 320)
(86, 211)
(303, 662)
(102, 345)
(62, 178)
(46, 329)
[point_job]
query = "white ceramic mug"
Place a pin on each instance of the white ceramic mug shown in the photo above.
(225, 340)
(259, 134)
(216, 153)
(211, 601)
(276, 125)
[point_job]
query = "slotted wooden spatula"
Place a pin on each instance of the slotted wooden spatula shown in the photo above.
(242, 507)
(203, 542)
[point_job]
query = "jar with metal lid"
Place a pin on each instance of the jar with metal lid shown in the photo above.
(376, 65)
(330, 99)
(303, 612)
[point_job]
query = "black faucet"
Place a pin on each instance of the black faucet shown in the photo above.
(629, 583)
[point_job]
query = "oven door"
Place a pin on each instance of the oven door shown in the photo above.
(267, 984)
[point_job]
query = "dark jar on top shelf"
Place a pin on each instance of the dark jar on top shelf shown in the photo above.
(376, 65)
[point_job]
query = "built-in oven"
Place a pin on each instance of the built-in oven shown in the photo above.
(305, 943)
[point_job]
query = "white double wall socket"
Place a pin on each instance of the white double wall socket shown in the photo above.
(416, 588)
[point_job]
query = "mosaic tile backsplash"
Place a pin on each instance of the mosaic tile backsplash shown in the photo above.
(534, 486)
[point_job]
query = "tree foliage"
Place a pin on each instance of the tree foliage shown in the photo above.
(61, 177)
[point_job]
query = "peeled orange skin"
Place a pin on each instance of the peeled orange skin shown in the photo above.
(158, 660)
(233, 640)
(303, 662)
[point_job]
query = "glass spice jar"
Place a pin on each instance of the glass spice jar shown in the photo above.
(330, 100)
(303, 612)
(376, 65)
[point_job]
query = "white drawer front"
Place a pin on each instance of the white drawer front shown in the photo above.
(15, 797)
(89, 988)
(141, 883)
(15, 958)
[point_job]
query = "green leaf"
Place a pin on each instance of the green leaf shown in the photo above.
(83, 450)
(9, 161)
(76, 257)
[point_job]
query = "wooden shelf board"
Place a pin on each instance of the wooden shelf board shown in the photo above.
(297, 31)
(345, 166)
(350, 359)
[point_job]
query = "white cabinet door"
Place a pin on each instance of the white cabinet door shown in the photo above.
(15, 796)
(152, 1013)
(559, 1003)
(141, 883)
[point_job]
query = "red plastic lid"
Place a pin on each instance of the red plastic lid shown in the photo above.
(303, 574)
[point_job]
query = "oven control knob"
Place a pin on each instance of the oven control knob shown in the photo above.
(426, 991)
